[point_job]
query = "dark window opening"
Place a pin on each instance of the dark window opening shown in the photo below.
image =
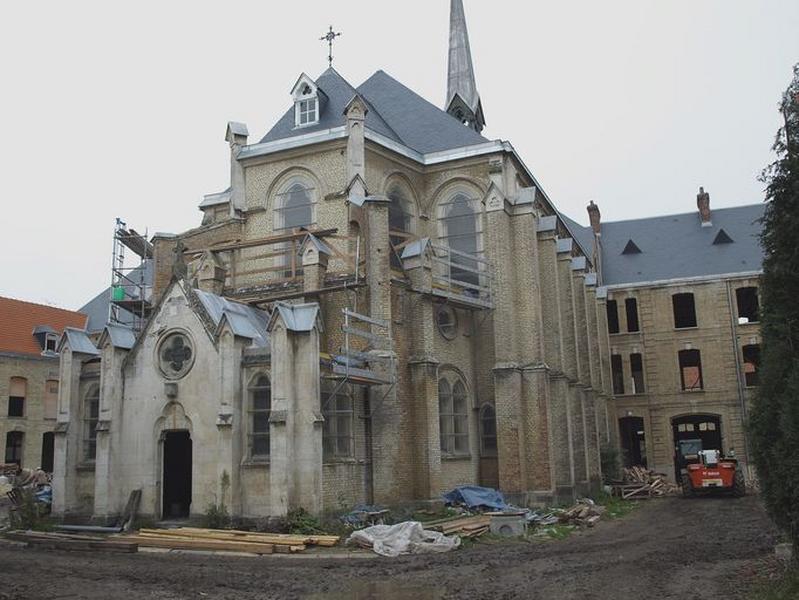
(748, 305)
(16, 406)
(637, 370)
(260, 410)
(618, 374)
(177, 474)
(488, 431)
(691, 370)
(684, 310)
(751, 364)
(48, 452)
(631, 304)
(613, 317)
(633, 441)
(14, 441)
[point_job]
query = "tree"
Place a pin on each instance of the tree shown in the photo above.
(774, 421)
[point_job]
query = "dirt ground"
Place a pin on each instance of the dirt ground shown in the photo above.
(668, 548)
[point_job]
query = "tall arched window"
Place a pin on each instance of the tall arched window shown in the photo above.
(460, 229)
(294, 205)
(453, 410)
(260, 406)
(400, 222)
(488, 431)
(91, 414)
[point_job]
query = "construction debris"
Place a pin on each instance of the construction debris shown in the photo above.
(229, 541)
(64, 541)
(404, 538)
(641, 483)
(585, 513)
(468, 526)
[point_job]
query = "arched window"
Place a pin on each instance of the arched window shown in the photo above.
(488, 431)
(337, 409)
(453, 417)
(260, 393)
(91, 414)
(294, 205)
(460, 229)
(400, 222)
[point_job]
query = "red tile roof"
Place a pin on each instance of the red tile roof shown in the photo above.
(18, 320)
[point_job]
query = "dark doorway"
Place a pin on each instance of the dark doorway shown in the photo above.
(693, 433)
(177, 475)
(633, 441)
(48, 452)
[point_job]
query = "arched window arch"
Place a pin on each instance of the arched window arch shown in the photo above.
(295, 205)
(461, 230)
(453, 410)
(91, 415)
(260, 407)
(488, 431)
(401, 221)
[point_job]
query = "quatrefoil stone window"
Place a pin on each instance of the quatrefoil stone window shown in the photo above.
(175, 355)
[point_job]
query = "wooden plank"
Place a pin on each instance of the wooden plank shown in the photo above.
(180, 543)
(253, 536)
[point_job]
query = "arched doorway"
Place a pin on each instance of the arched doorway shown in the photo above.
(177, 475)
(633, 441)
(693, 433)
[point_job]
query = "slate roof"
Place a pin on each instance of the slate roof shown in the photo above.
(244, 320)
(19, 319)
(677, 246)
(78, 342)
(97, 308)
(395, 112)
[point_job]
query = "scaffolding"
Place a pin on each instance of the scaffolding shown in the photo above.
(131, 278)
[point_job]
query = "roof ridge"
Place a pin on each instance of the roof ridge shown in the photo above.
(683, 214)
(47, 306)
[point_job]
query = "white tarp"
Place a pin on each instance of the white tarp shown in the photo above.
(404, 538)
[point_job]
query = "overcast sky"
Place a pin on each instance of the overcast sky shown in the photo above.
(110, 109)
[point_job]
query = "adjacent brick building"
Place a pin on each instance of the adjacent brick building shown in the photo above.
(683, 312)
(29, 335)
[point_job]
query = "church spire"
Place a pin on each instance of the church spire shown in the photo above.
(463, 101)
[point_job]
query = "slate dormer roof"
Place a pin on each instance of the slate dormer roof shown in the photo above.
(395, 112)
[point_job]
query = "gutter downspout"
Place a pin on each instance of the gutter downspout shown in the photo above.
(739, 374)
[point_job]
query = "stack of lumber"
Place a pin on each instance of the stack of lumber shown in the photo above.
(641, 483)
(227, 540)
(467, 527)
(582, 513)
(65, 541)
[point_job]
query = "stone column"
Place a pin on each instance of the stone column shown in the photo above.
(315, 257)
(296, 419)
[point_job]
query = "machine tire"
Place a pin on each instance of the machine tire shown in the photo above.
(739, 486)
(687, 488)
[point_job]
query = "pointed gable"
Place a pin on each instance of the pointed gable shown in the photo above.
(631, 248)
(722, 238)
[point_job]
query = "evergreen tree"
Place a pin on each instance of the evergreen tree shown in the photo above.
(774, 422)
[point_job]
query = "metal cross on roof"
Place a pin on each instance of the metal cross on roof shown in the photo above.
(329, 37)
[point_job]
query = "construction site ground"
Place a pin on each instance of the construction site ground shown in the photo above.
(667, 548)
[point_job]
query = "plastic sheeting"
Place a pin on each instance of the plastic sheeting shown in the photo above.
(404, 538)
(474, 496)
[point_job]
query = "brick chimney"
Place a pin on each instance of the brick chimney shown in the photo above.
(703, 204)
(595, 217)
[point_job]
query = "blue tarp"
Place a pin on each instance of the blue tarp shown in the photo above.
(474, 496)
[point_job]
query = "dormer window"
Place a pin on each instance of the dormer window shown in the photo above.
(51, 343)
(306, 102)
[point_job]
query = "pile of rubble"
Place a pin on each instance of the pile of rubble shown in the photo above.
(585, 513)
(642, 483)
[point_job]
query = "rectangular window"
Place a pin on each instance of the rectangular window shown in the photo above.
(50, 343)
(613, 317)
(631, 304)
(337, 432)
(751, 364)
(690, 370)
(748, 305)
(618, 374)
(50, 398)
(307, 111)
(637, 370)
(14, 441)
(16, 396)
(684, 311)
